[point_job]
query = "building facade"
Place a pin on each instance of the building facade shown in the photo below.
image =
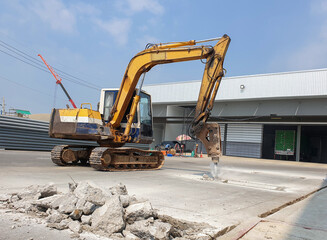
(272, 116)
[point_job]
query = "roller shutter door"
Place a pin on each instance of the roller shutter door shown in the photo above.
(244, 140)
(222, 130)
(222, 133)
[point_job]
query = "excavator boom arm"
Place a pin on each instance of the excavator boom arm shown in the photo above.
(162, 54)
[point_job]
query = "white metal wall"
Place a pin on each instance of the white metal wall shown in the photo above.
(158, 134)
(261, 86)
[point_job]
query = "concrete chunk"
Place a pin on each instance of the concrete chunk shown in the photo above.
(109, 217)
(76, 214)
(89, 208)
(119, 189)
(47, 201)
(35, 191)
(55, 217)
(30, 192)
(67, 204)
(92, 193)
(47, 190)
(80, 203)
(129, 235)
(72, 186)
(86, 219)
(5, 197)
(145, 229)
(127, 200)
(139, 211)
(75, 226)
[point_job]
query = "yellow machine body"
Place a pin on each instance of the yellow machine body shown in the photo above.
(116, 129)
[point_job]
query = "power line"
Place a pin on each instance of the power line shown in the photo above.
(38, 64)
(23, 61)
(22, 85)
(42, 69)
(29, 58)
(35, 59)
(33, 52)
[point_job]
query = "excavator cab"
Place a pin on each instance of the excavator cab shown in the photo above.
(141, 129)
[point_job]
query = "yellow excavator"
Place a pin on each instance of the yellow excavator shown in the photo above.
(125, 114)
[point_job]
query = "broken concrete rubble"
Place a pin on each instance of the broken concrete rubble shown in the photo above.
(76, 214)
(139, 211)
(91, 193)
(110, 217)
(108, 212)
(119, 189)
(86, 219)
(126, 200)
(75, 226)
(147, 229)
(5, 197)
(56, 217)
(35, 192)
(68, 204)
(46, 202)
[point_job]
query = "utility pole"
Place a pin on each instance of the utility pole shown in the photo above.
(3, 106)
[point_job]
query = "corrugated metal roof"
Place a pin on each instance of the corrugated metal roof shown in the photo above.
(301, 84)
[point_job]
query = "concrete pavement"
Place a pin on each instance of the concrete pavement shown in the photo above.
(305, 219)
(247, 187)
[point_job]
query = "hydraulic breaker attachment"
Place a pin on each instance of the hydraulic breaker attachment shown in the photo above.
(210, 136)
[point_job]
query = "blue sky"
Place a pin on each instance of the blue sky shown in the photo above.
(93, 41)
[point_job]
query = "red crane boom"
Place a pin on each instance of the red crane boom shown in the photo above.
(56, 76)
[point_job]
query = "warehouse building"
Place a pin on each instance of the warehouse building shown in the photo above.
(271, 116)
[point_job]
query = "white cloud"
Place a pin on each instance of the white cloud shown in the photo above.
(56, 14)
(85, 9)
(135, 6)
(149, 5)
(117, 28)
(314, 55)
(319, 7)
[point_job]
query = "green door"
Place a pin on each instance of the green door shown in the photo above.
(284, 142)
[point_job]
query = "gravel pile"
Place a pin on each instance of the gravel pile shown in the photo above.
(108, 212)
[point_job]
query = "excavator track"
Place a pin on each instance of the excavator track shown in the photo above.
(109, 159)
(63, 155)
(125, 159)
(56, 153)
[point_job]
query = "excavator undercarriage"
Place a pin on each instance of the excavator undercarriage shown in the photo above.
(108, 159)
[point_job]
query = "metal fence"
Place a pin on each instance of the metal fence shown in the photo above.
(26, 134)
